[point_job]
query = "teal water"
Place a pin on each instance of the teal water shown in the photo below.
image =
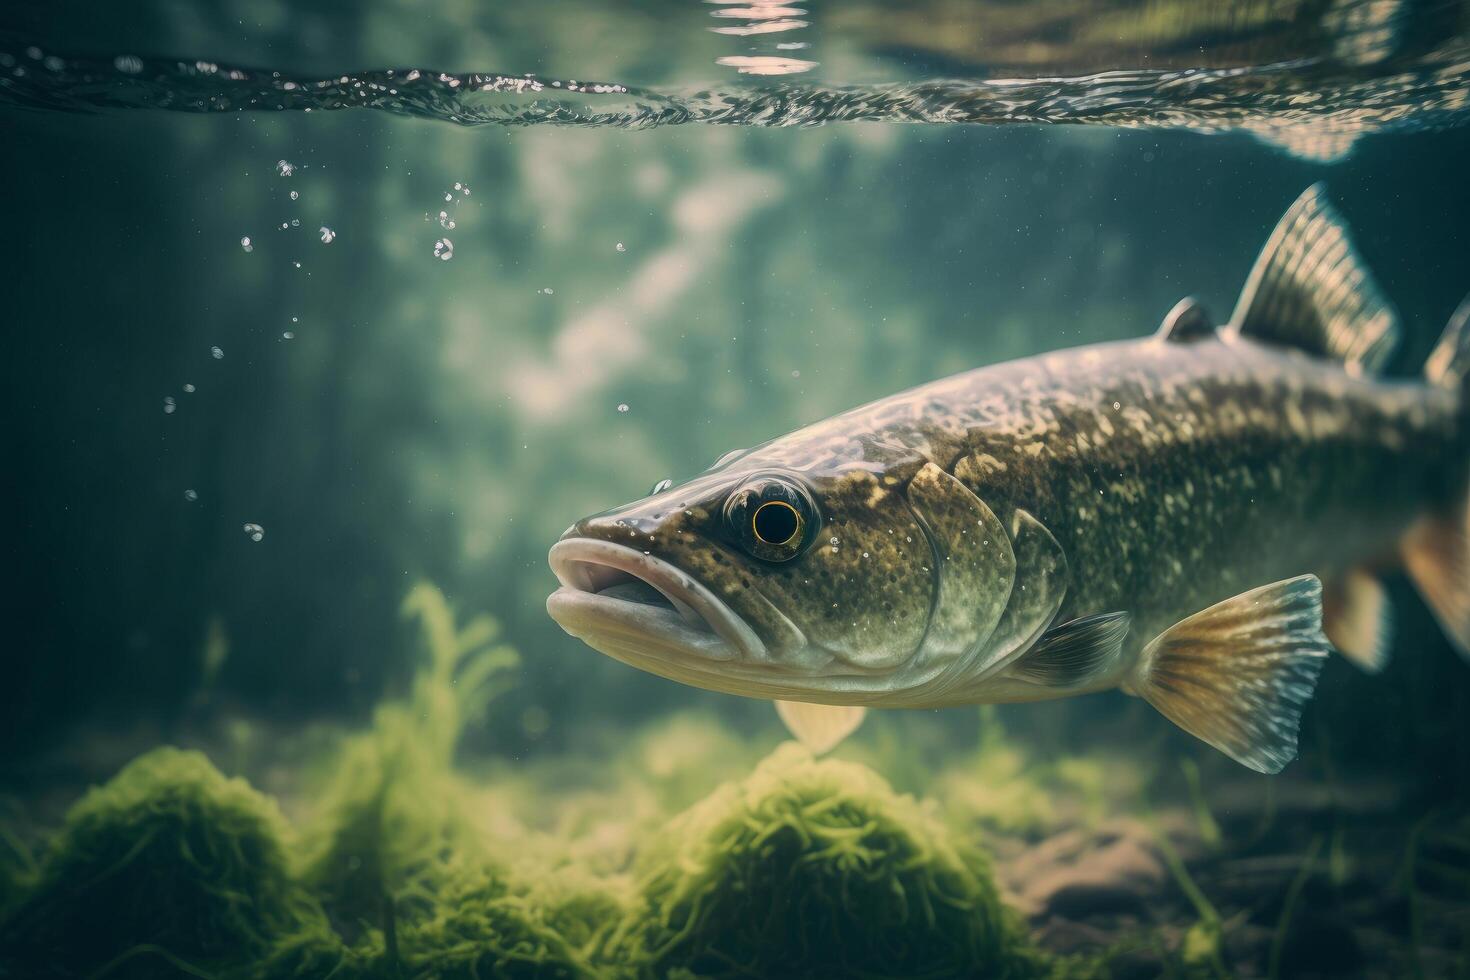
(308, 304)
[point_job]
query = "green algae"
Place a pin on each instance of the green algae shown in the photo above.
(818, 868)
(169, 863)
(409, 871)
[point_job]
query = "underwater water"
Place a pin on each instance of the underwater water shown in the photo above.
(324, 321)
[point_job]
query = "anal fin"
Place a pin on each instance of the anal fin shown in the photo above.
(820, 727)
(1358, 618)
(1437, 556)
(1238, 674)
(1076, 653)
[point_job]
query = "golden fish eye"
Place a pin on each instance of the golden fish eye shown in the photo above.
(776, 522)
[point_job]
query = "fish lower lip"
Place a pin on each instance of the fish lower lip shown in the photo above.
(609, 587)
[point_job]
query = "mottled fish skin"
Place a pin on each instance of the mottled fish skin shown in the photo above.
(1173, 474)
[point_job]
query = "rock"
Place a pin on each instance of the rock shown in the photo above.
(1076, 875)
(1066, 937)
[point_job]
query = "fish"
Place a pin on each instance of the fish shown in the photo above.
(1196, 517)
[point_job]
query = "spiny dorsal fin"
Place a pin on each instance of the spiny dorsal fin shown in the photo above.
(1074, 653)
(1237, 674)
(1309, 290)
(820, 727)
(1186, 321)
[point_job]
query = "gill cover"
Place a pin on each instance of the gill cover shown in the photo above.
(997, 591)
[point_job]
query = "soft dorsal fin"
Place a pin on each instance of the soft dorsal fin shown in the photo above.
(1186, 321)
(820, 727)
(1310, 290)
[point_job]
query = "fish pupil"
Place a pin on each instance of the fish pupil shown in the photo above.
(776, 522)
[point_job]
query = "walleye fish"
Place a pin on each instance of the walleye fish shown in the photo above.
(1195, 518)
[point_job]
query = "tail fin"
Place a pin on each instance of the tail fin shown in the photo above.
(1437, 551)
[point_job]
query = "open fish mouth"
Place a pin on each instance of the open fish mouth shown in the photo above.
(642, 610)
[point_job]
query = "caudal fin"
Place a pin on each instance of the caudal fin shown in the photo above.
(1436, 551)
(1238, 674)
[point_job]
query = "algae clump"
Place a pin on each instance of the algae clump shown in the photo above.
(482, 930)
(169, 868)
(818, 868)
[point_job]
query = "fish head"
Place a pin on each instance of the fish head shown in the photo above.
(756, 580)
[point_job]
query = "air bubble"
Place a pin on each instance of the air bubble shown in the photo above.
(328, 235)
(445, 221)
(623, 408)
(295, 195)
(245, 244)
(295, 222)
(288, 335)
(254, 532)
(444, 249)
(621, 247)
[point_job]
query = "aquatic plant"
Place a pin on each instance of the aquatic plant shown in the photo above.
(169, 862)
(1288, 908)
(395, 827)
(817, 868)
(1200, 952)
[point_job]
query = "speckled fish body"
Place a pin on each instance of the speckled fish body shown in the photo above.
(1157, 515)
(1172, 475)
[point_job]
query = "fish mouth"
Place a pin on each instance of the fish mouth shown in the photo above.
(642, 610)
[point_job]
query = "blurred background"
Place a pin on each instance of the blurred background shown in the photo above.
(265, 371)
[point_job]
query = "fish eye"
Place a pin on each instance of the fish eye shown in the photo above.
(775, 522)
(771, 518)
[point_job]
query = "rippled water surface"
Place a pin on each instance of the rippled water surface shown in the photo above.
(1313, 77)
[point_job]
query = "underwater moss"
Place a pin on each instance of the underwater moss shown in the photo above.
(818, 868)
(481, 930)
(169, 866)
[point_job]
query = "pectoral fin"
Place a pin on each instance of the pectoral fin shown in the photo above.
(1075, 653)
(820, 727)
(1237, 674)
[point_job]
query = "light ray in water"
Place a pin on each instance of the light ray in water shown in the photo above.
(1301, 102)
